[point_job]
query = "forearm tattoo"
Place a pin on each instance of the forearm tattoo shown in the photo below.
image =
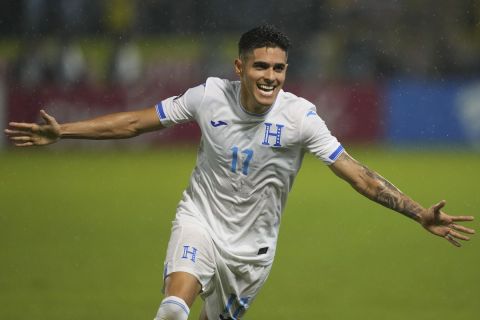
(382, 191)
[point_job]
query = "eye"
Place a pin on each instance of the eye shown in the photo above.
(279, 67)
(260, 65)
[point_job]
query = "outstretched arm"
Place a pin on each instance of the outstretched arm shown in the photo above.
(378, 189)
(120, 125)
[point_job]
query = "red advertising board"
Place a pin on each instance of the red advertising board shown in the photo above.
(84, 102)
(352, 112)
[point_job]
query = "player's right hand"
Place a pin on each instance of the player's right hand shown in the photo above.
(32, 134)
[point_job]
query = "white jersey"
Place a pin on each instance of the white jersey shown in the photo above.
(246, 164)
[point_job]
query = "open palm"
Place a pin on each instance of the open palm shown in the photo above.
(32, 134)
(444, 225)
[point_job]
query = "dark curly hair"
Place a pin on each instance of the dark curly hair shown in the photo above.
(263, 36)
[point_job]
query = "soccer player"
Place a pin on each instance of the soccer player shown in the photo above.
(254, 136)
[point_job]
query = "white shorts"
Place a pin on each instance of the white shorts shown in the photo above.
(228, 287)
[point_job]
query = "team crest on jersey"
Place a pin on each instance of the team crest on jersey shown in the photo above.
(273, 134)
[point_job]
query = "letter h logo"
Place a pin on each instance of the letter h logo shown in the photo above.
(187, 254)
(268, 134)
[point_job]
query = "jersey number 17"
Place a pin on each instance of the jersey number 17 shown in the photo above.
(246, 162)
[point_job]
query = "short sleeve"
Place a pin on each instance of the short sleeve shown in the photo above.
(318, 140)
(182, 108)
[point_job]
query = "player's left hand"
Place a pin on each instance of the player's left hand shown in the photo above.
(444, 225)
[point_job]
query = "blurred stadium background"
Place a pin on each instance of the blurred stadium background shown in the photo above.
(84, 225)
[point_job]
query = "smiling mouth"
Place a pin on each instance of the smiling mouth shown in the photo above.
(265, 89)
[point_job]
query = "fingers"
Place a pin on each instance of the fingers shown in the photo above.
(26, 144)
(458, 235)
(22, 141)
(452, 235)
(452, 240)
(439, 206)
(17, 133)
(462, 218)
(20, 138)
(462, 228)
(437, 210)
(22, 126)
(48, 118)
(14, 133)
(30, 127)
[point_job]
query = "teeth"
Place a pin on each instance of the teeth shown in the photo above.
(265, 87)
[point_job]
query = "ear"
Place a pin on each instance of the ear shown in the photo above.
(238, 66)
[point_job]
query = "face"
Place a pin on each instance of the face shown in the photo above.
(262, 74)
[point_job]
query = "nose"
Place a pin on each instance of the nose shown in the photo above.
(269, 75)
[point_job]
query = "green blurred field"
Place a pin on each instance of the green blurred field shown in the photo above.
(83, 236)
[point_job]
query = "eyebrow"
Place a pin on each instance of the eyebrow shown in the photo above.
(264, 64)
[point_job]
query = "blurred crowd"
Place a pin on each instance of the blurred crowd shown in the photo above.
(333, 39)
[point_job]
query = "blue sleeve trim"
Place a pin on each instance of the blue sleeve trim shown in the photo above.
(336, 153)
(178, 304)
(160, 112)
(165, 271)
